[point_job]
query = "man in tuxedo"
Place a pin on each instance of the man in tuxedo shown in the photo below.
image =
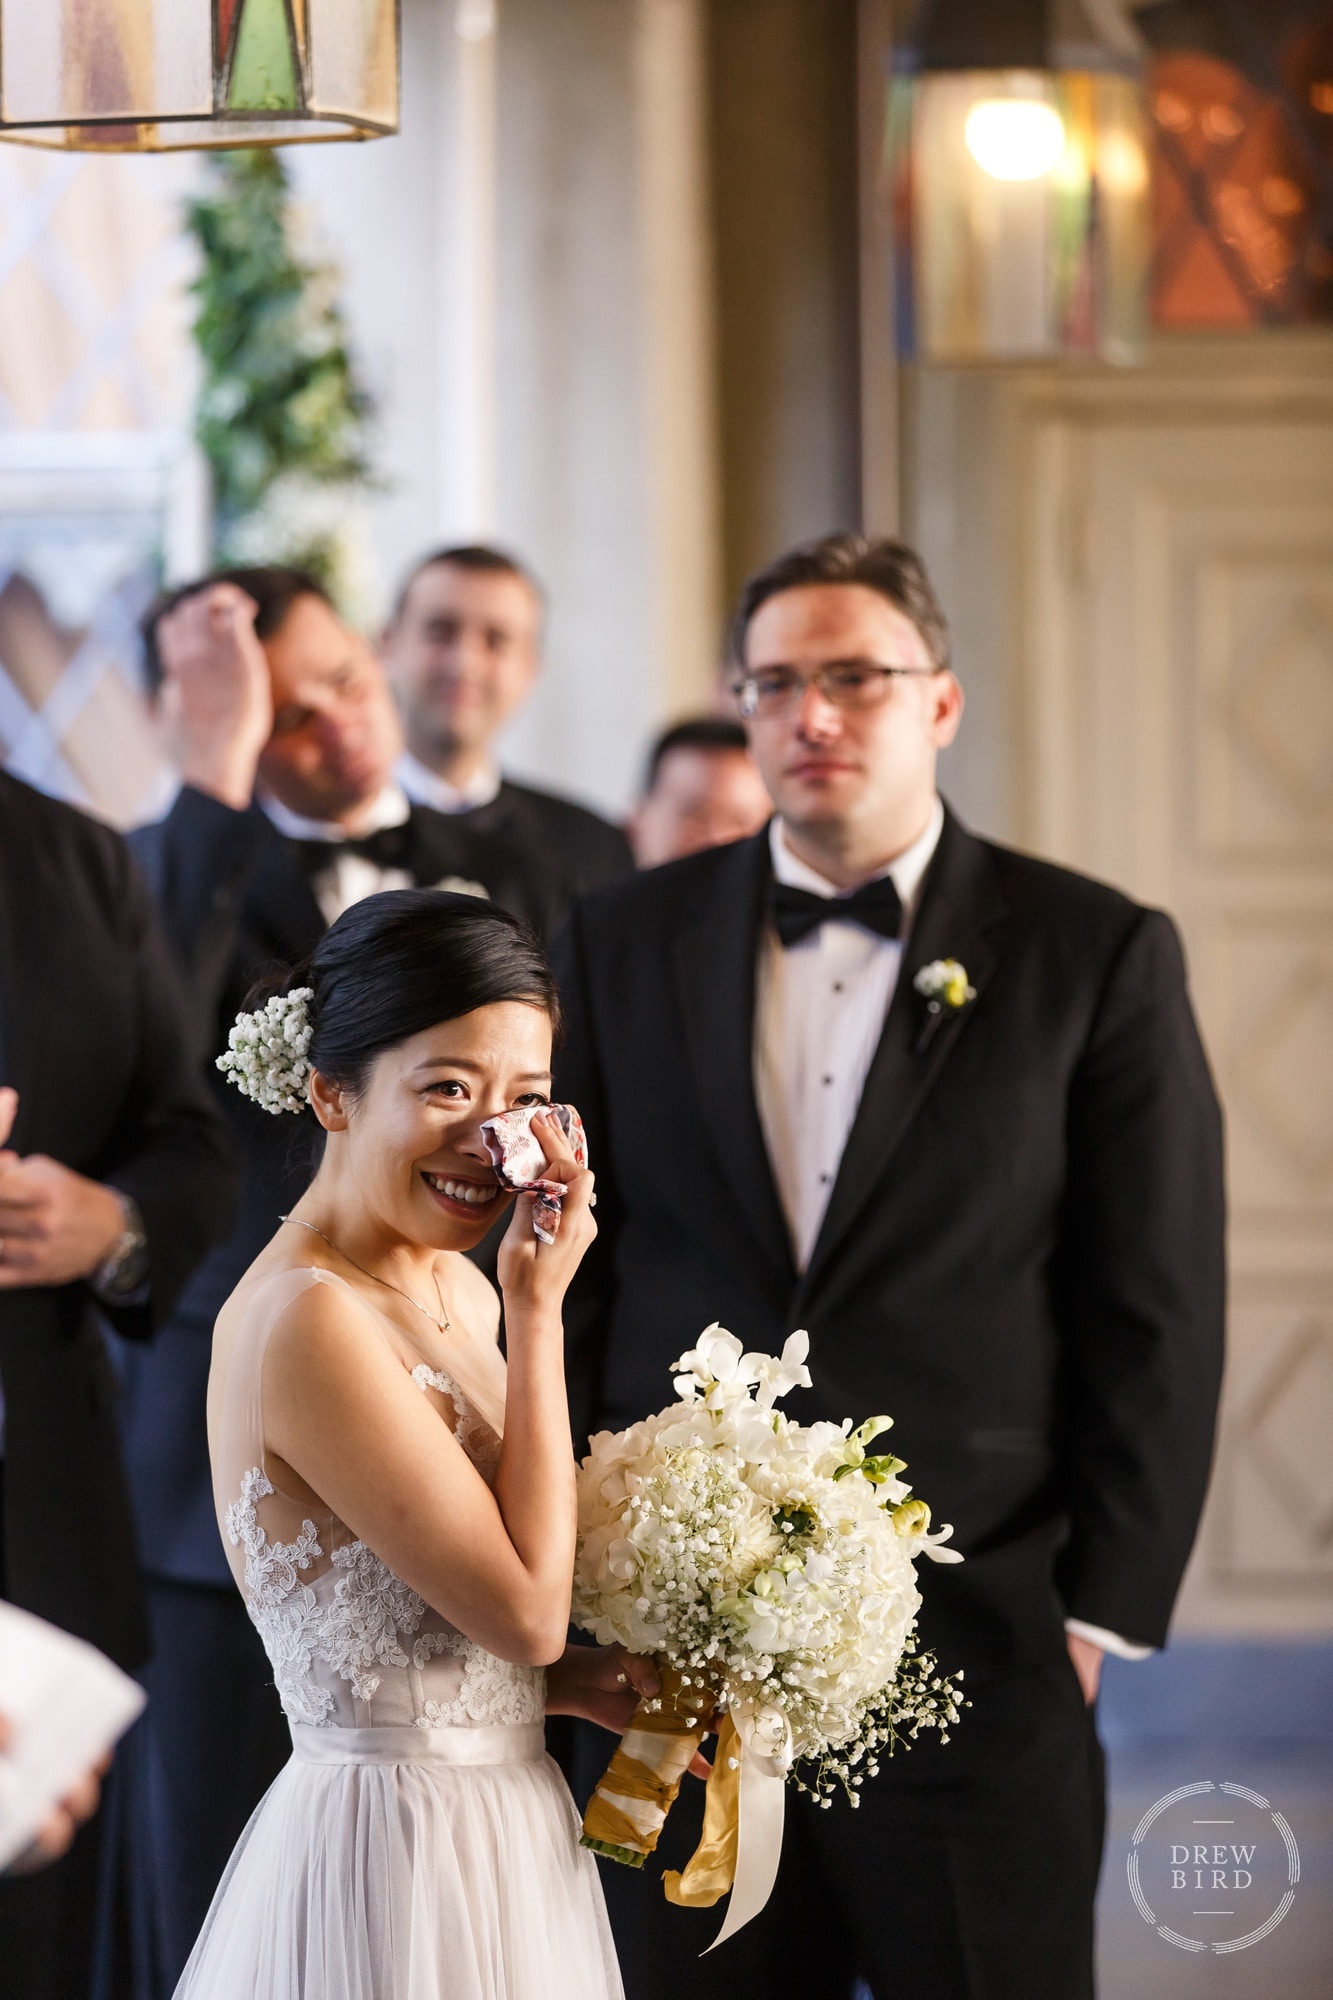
(1001, 1221)
(285, 735)
(463, 650)
(114, 1180)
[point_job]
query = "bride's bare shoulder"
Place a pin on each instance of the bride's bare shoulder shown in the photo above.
(276, 1276)
(477, 1300)
(322, 1335)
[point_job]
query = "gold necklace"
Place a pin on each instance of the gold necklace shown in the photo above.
(441, 1325)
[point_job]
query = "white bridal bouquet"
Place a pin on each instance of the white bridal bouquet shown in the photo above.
(767, 1566)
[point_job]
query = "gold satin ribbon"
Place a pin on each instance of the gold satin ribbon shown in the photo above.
(743, 1814)
(606, 1829)
(647, 1768)
(711, 1869)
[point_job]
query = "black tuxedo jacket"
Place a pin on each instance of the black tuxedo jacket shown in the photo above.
(93, 1037)
(236, 903)
(1022, 1256)
(586, 851)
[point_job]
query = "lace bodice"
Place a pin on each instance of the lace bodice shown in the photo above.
(351, 1645)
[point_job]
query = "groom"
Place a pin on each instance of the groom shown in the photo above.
(1001, 1220)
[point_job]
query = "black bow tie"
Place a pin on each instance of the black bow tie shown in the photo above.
(386, 847)
(876, 905)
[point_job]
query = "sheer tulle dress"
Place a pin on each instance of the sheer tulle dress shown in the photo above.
(420, 1845)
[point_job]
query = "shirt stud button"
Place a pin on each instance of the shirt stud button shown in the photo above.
(828, 1079)
(837, 986)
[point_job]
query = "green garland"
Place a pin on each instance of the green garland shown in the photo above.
(280, 410)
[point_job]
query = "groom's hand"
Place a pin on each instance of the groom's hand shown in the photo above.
(1087, 1660)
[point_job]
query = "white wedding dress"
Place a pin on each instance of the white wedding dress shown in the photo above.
(420, 1845)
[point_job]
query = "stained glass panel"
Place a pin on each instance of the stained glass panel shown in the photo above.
(154, 75)
(354, 64)
(68, 59)
(1243, 184)
(994, 263)
(224, 31)
(263, 70)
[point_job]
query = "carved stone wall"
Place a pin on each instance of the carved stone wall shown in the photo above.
(95, 476)
(1161, 653)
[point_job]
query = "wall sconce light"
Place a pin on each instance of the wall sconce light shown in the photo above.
(161, 75)
(1018, 150)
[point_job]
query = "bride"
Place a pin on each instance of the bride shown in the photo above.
(398, 1504)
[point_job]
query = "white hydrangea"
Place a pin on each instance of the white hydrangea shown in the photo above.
(266, 1054)
(773, 1559)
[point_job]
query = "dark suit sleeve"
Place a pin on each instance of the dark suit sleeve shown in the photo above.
(602, 856)
(169, 1150)
(198, 861)
(579, 1082)
(1142, 1287)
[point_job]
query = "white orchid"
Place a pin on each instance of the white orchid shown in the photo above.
(714, 1364)
(777, 1378)
(721, 1372)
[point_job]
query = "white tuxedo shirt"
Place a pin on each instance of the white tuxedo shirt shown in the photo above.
(349, 877)
(427, 788)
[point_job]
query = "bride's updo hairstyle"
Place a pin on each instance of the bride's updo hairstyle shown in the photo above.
(403, 961)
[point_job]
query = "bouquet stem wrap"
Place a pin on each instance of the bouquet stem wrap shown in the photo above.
(741, 1843)
(628, 1810)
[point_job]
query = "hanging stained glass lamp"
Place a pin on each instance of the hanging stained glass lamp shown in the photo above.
(162, 75)
(1019, 159)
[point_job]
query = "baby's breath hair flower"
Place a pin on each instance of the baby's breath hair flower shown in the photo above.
(266, 1054)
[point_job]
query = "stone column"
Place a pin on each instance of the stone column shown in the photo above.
(784, 173)
(606, 462)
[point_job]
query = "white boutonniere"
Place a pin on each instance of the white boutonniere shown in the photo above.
(944, 983)
(946, 990)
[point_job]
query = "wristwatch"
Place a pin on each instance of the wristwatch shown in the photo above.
(124, 1269)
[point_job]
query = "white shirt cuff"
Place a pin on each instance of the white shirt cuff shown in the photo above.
(1110, 1642)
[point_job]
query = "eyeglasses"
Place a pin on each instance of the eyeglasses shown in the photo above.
(772, 691)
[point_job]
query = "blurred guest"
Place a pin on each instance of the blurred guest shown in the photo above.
(285, 735)
(114, 1179)
(702, 789)
(463, 650)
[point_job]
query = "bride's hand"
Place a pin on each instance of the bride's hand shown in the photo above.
(604, 1684)
(534, 1276)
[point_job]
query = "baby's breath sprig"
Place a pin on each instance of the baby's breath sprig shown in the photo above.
(920, 1698)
